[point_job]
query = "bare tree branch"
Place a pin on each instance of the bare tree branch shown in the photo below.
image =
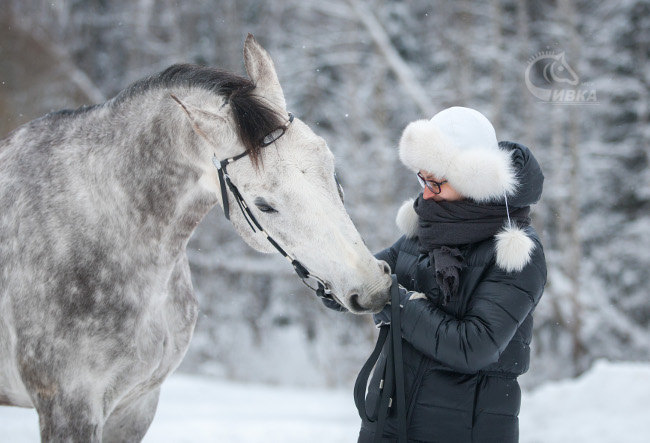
(76, 75)
(402, 70)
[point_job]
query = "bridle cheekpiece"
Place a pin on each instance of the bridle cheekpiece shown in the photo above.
(321, 288)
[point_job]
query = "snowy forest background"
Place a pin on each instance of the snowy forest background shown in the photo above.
(357, 72)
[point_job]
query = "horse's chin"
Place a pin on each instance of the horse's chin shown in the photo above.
(378, 303)
(371, 304)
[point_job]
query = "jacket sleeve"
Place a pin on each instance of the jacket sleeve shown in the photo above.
(496, 308)
(389, 255)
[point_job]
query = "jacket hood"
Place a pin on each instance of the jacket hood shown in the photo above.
(528, 174)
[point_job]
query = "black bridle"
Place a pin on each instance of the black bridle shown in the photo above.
(321, 288)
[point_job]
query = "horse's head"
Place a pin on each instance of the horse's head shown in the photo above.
(289, 185)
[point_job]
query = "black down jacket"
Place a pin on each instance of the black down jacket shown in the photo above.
(461, 360)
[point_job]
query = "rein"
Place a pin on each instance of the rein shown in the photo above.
(392, 380)
(321, 288)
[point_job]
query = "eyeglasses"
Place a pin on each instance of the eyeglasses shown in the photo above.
(433, 185)
(276, 133)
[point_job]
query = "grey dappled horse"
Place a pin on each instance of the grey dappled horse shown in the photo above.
(96, 208)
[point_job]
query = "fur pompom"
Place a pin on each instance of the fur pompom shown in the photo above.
(513, 249)
(407, 219)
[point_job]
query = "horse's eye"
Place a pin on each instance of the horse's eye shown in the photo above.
(263, 206)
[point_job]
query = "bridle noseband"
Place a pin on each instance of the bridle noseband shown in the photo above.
(321, 288)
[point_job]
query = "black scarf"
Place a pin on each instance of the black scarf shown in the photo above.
(445, 225)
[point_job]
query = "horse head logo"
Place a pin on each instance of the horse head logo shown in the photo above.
(554, 70)
(559, 71)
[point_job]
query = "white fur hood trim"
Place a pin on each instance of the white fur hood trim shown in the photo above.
(479, 173)
(512, 246)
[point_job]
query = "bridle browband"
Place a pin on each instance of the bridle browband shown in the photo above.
(322, 289)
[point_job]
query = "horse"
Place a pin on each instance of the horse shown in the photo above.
(96, 208)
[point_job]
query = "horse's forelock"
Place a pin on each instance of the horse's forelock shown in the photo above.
(254, 117)
(254, 120)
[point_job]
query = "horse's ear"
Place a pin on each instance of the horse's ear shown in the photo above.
(202, 121)
(261, 71)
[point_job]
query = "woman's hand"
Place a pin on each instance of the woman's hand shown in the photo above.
(382, 318)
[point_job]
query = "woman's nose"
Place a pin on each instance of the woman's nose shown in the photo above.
(427, 194)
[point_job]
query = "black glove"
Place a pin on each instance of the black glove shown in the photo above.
(382, 318)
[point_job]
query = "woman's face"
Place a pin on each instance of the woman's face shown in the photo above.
(447, 192)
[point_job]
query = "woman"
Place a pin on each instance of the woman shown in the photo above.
(472, 270)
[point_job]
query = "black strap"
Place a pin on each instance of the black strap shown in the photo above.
(224, 193)
(393, 374)
(321, 288)
(221, 170)
(361, 384)
(396, 326)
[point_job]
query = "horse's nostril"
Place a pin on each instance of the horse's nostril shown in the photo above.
(384, 267)
(354, 303)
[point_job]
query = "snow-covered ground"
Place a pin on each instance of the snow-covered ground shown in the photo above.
(609, 403)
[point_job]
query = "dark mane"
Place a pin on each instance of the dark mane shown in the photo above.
(253, 117)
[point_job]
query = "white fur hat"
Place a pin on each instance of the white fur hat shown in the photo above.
(460, 145)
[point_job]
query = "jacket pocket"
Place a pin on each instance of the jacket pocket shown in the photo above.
(443, 409)
(497, 394)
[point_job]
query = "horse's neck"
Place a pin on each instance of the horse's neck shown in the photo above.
(158, 177)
